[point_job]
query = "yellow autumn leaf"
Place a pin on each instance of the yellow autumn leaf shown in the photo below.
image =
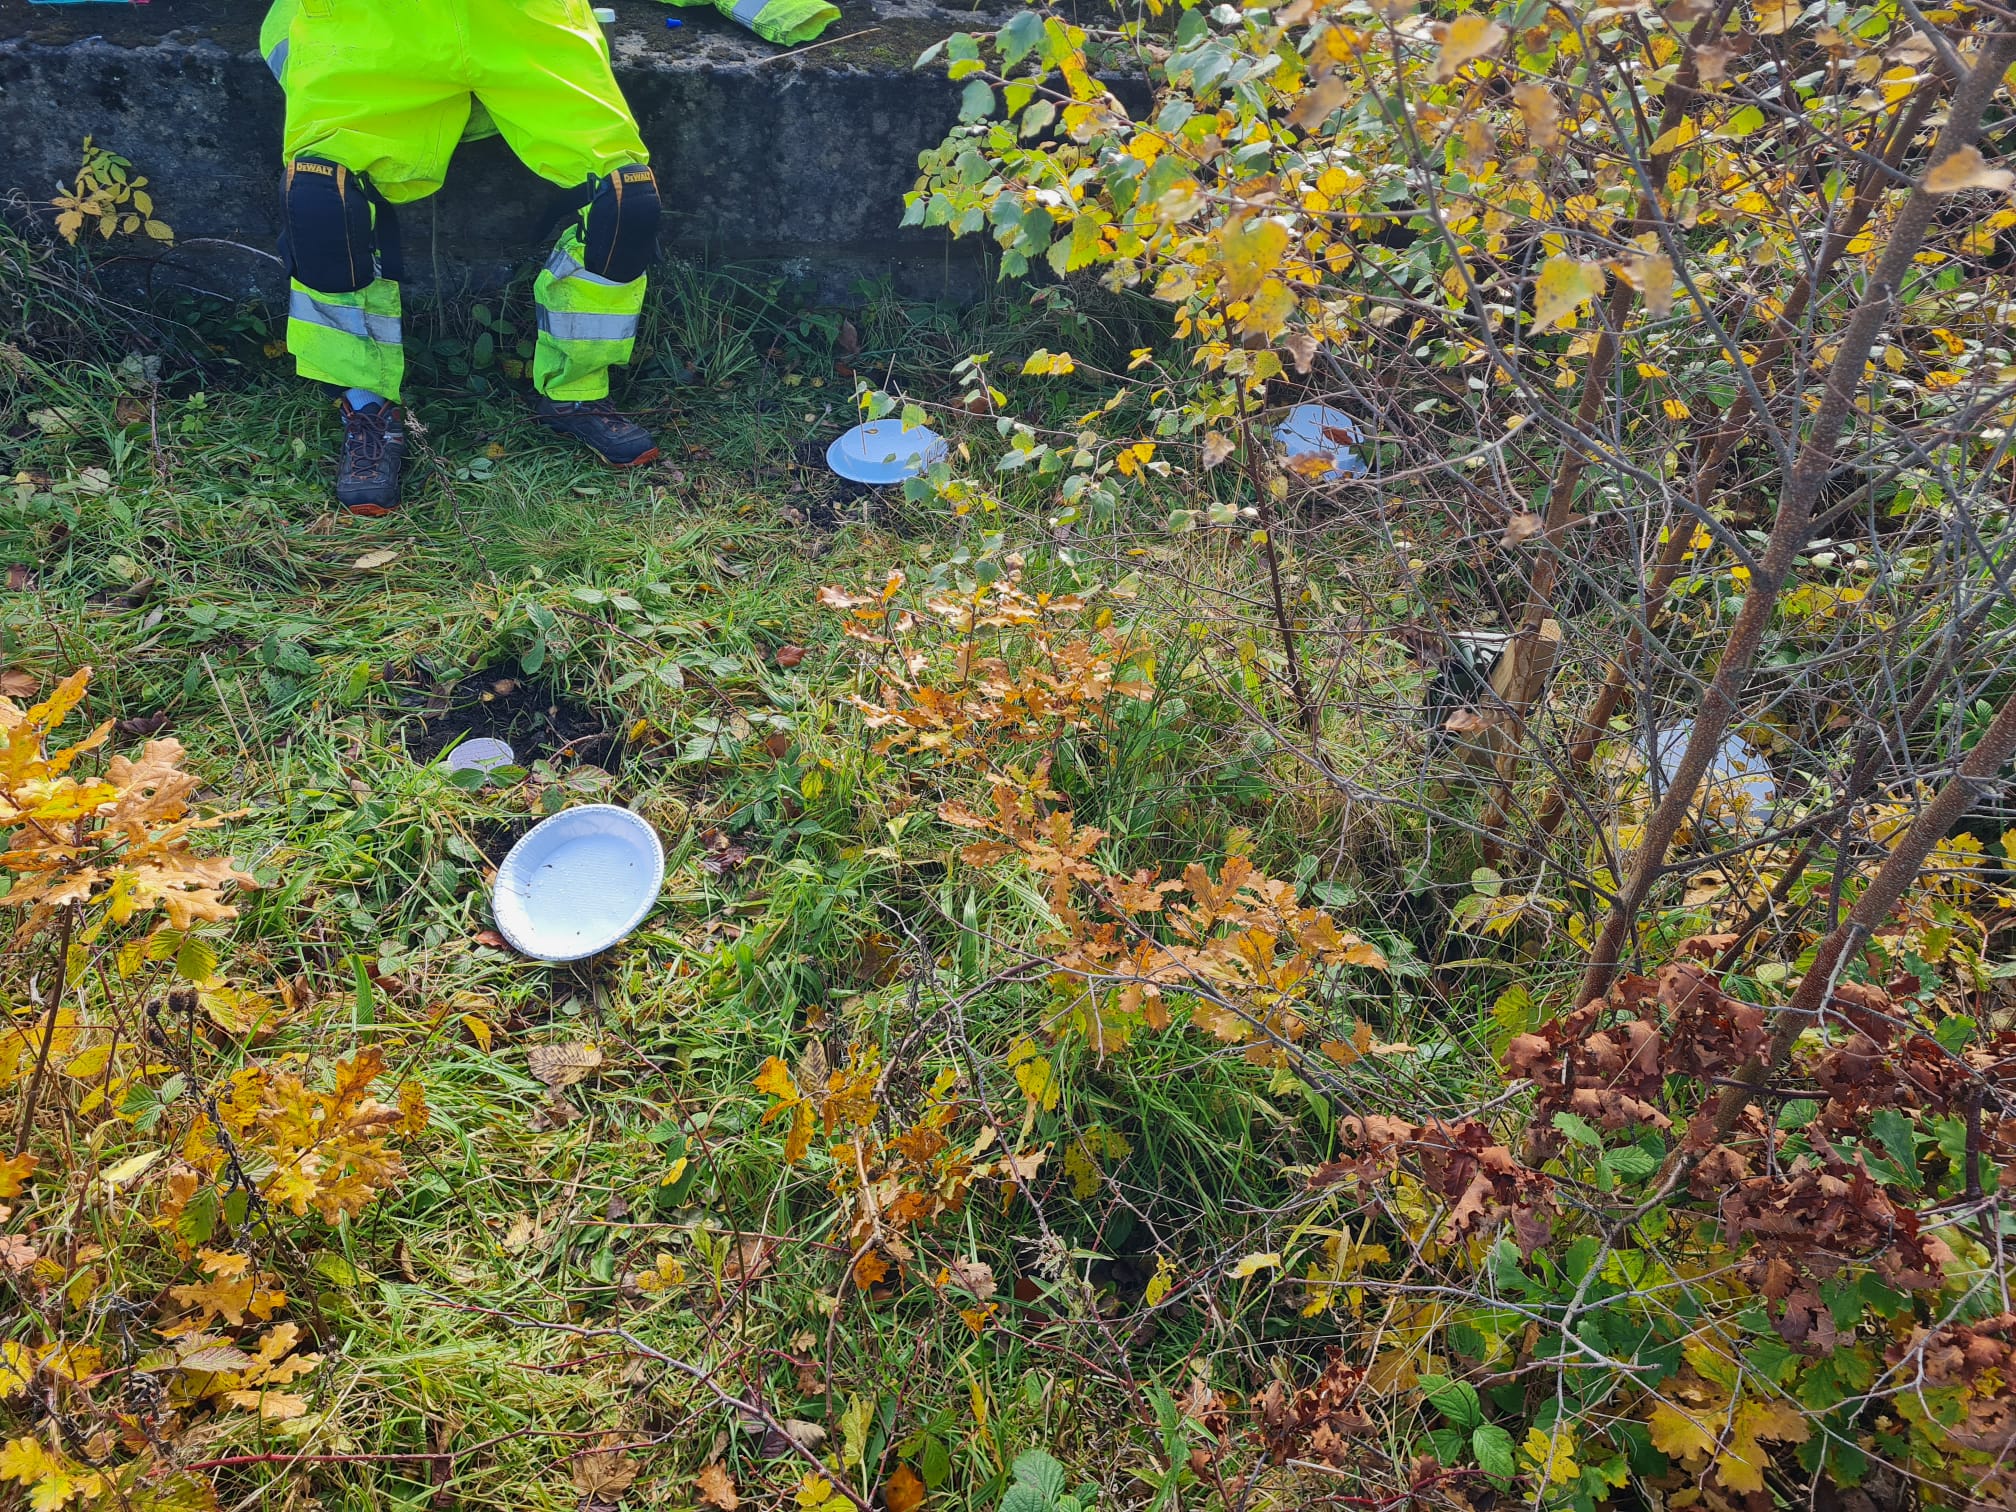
(816, 1492)
(1541, 113)
(1680, 1432)
(1054, 364)
(1133, 458)
(14, 1170)
(774, 1078)
(1675, 137)
(1775, 16)
(17, 1368)
(274, 1406)
(1565, 284)
(1743, 1460)
(1967, 169)
(129, 1169)
(1034, 1074)
(1552, 1455)
(1255, 1263)
(1160, 1283)
(1466, 38)
(1252, 249)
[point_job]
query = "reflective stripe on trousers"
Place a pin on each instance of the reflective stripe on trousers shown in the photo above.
(348, 319)
(746, 11)
(577, 325)
(277, 60)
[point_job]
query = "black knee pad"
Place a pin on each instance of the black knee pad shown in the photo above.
(327, 239)
(621, 229)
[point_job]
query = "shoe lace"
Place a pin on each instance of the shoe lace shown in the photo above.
(364, 434)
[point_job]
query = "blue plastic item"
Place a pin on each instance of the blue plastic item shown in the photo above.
(672, 23)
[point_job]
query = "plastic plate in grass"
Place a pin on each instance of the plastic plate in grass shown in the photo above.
(884, 452)
(578, 882)
(1317, 431)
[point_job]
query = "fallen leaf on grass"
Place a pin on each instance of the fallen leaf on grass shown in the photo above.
(723, 854)
(790, 656)
(717, 1487)
(491, 938)
(903, 1491)
(796, 1431)
(563, 1065)
(749, 1261)
(144, 725)
(1521, 528)
(16, 1253)
(20, 578)
(18, 684)
(522, 1231)
(384, 556)
(603, 1475)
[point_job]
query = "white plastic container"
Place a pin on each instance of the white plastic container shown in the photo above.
(578, 882)
(1316, 431)
(884, 452)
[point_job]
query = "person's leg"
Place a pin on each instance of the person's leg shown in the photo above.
(543, 72)
(372, 113)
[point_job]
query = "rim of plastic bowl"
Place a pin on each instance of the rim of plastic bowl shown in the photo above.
(654, 846)
(838, 459)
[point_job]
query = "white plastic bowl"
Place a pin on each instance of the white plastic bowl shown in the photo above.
(1317, 430)
(884, 452)
(1738, 776)
(479, 753)
(577, 883)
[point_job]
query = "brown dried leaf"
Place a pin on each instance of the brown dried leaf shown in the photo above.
(563, 1065)
(603, 1475)
(1967, 169)
(716, 1487)
(903, 1491)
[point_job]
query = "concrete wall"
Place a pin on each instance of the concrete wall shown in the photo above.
(800, 157)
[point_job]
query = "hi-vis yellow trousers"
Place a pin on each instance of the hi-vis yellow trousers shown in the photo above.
(378, 94)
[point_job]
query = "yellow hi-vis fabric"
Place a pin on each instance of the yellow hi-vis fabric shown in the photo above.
(386, 90)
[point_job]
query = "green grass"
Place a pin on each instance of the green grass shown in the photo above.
(181, 542)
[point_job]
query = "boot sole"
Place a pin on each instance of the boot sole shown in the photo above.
(368, 511)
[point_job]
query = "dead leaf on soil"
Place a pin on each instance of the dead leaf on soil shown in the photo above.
(371, 561)
(903, 1491)
(790, 656)
(723, 854)
(15, 683)
(603, 1475)
(750, 1260)
(563, 1065)
(717, 1487)
(521, 1232)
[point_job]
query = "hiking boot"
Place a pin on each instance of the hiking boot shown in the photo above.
(599, 426)
(367, 468)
